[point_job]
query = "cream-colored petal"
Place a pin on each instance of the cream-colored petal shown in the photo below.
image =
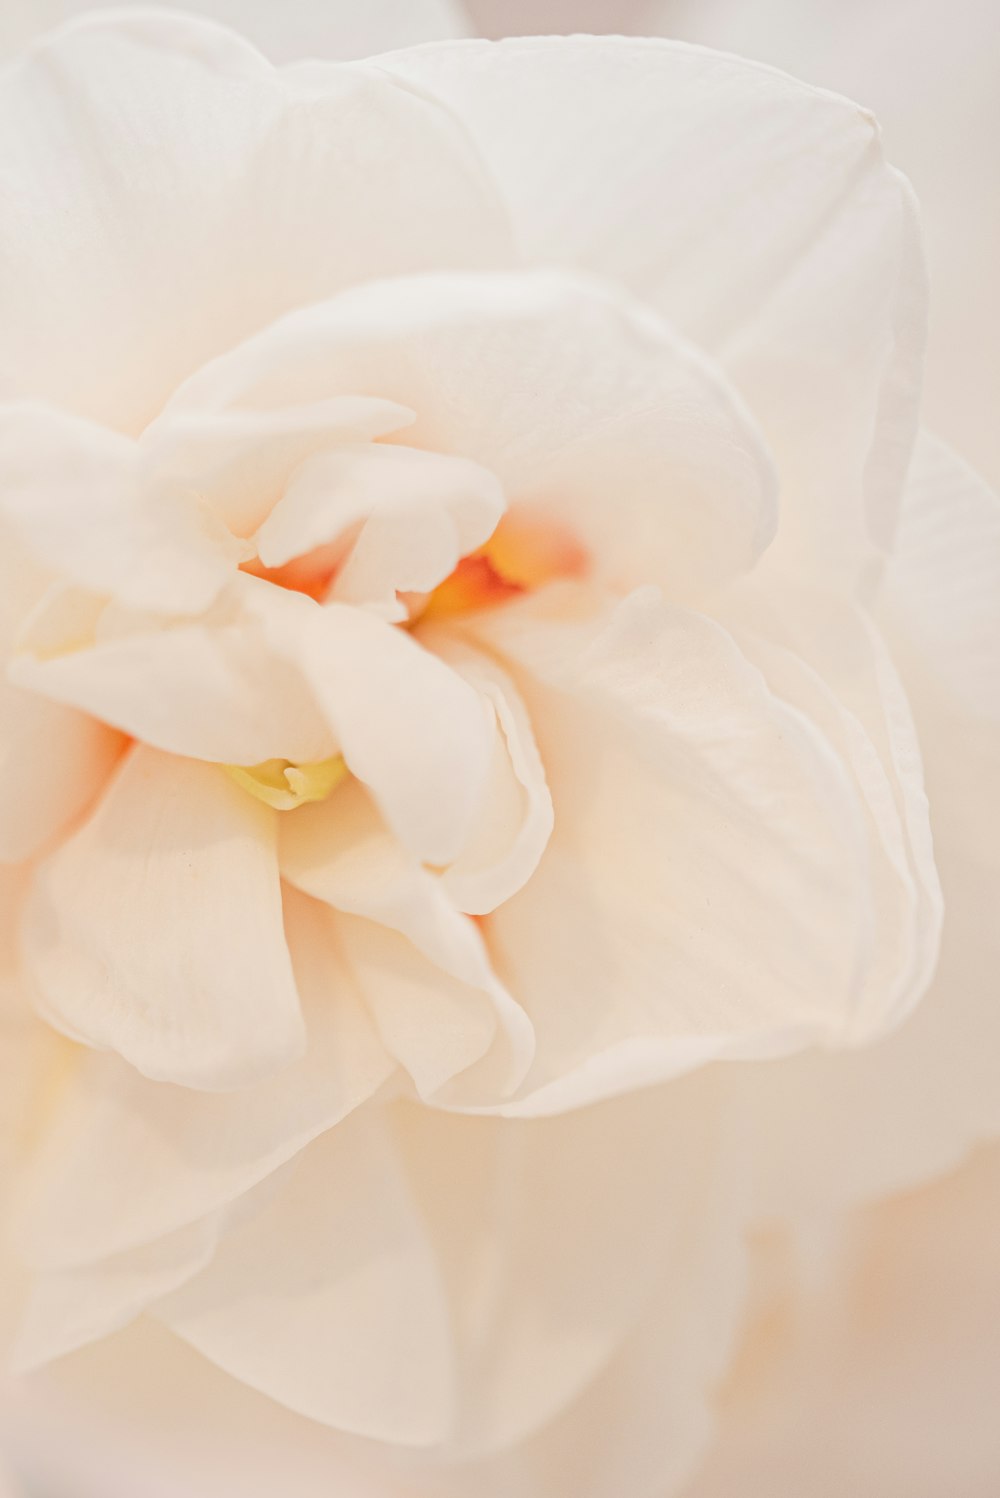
(416, 513)
(85, 502)
(410, 728)
(155, 930)
(420, 964)
(706, 891)
(338, 32)
(207, 193)
(516, 818)
(653, 464)
(756, 212)
(53, 762)
(226, 687)
(240, 461)
(328, 1299)
(824, 656)
(125, 1161)
(897, 1114)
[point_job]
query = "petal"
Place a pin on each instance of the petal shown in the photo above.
(166, 192)
(420, 964)
(895, 1115)
(226, 687)
(299, 32)
(545, 1291)
(632, 158)
(156, 929)
(516, 820)
(53, 762)
(408, 726)
(125, 1161)
(328, 1299)
(643, 946)
(81, 500)
(240, 461)
(419, 513)
(653, 463)
(824, 656)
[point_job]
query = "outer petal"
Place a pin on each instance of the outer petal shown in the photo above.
(893, 1116)
(207, 193)
(420, 964)
(328, 1299)
(156, 929)
(755, 211)
(53, 762)
(338, 30)
(652, 463)
(824, 656)
(642, 946)
(125, 1161)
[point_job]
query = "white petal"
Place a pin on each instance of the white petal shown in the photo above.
(823, 656)
(71, 1308)
(633, 158)
(124, 1161)
(420, 964)
(408, 726)
(516, 819)
(82, 499)
(328, 1300)
(53, 762)
(553, 1251)
(240, 461)
(705, 892)
(338, 31)
(897, 1114)
(226, 687)
(419, 513)
(156, 929)
(166, 192)
(653, 464)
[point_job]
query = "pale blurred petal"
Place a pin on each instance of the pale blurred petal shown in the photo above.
(907, 1109)
(221, 201)
(883, 1379)
(124, 1160)
(328, 1299)
(155, 930)
(338, 30)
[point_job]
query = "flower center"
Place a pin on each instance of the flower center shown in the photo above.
(284, 785)
(522, 554)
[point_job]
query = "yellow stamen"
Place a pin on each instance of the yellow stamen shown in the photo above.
(284, 785)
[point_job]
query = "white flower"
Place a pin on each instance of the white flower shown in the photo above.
(456, 568)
